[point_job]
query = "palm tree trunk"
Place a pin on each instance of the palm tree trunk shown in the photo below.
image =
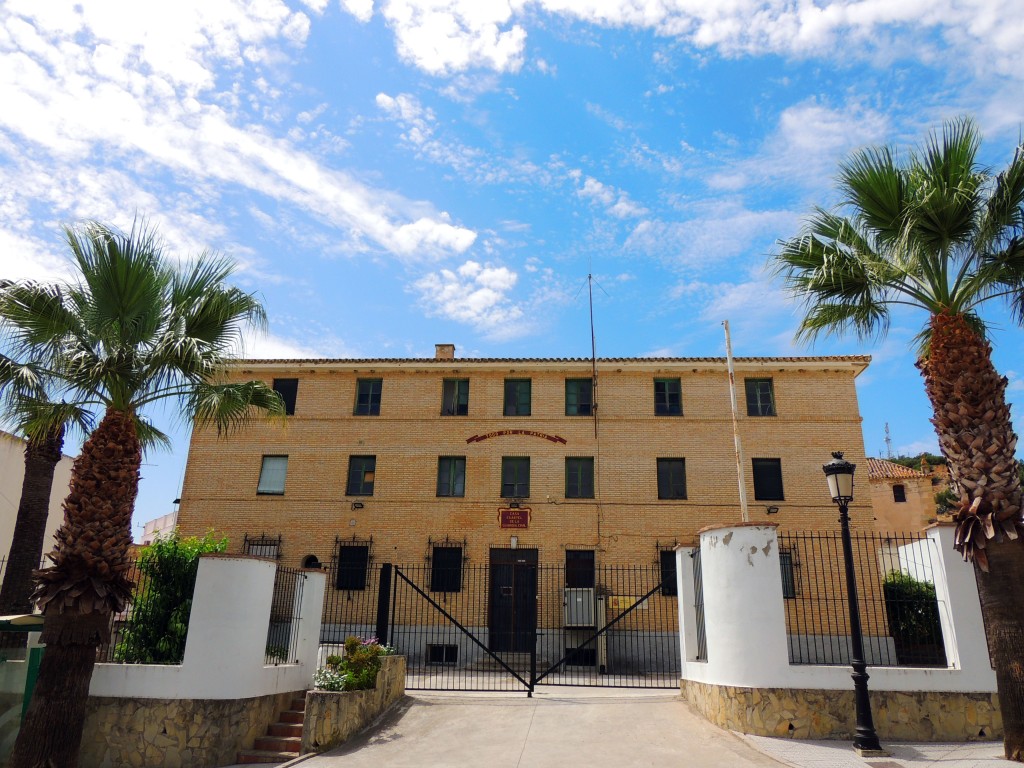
(972, 420)
(41, 459)
(86, 584)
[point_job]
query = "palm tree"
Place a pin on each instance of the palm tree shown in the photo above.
(132, 331)
(936, 231)
(44, 424)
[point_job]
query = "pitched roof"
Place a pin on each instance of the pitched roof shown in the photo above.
(857, 359)
(880, 469)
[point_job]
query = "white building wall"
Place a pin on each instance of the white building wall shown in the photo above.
(746, 626)
(12, 474)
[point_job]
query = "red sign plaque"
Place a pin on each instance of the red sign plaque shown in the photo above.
(509, 517)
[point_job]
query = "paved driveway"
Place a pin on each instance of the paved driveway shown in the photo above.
(557, 727)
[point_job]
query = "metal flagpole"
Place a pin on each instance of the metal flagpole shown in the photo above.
(735, 427)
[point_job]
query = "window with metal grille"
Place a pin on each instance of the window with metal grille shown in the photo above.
(671, 478)
(439, 653)
(288, 389)
(667, 561)
(368, 397)
(446, 569)
(578, 397)
(899, 493)
(515, 477)
(579, 568)
(272, 476)
(361, 473)
(517, 397)
(668, 397)
(455, 397)
(579, 477)
(353, 561)
(788, 575)
(760, 397)
(451, 476)
(768, 479)
(262, 546)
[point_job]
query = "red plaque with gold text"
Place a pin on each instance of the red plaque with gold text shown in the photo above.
(509, 517)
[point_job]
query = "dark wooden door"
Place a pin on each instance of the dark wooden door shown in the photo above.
(513, 600)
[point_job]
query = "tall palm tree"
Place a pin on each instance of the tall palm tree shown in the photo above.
(132, 331)
(936, 231)
(44, 423)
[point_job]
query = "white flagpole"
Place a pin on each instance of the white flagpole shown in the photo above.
(735, 427)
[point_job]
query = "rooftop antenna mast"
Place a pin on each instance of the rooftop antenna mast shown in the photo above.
(888, 442)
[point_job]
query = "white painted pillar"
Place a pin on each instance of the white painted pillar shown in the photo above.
(309, 609)
(744, 613)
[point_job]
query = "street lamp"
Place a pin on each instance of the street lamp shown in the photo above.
(839, 474)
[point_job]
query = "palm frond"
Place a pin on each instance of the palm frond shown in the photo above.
(233, 406)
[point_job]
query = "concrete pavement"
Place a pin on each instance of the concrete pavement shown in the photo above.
(601, 728)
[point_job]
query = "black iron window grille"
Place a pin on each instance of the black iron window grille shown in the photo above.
(790, 583)
(446, 568)
(667, 562)
(353, 560)
(262, 546)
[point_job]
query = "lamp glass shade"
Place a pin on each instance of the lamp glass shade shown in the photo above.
(839, 474)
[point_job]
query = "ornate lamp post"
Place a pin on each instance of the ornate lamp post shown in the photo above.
(839, 474)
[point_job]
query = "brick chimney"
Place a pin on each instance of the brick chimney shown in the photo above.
(444, 351)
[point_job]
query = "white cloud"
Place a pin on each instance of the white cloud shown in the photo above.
(361, 9)
(268, 346)
(151, 72)
(615, 201)
(447, 36)
(475, 294)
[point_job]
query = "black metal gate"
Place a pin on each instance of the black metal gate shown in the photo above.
(512, 624)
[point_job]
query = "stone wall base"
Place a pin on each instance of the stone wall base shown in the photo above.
(175, 733)
(830, 714)
(333, 717)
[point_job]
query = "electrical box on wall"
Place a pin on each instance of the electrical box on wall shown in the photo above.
(579, 607)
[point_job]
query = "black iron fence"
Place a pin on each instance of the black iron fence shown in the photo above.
(511, 626)
(698, 606)
(900, 615)
(282, 632)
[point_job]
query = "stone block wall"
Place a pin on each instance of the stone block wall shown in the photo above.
(175, 733)
(332, 718)
(830, 714)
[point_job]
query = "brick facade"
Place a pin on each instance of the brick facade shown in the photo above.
(814, 398)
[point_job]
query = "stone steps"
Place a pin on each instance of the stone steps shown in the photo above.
(283, 741)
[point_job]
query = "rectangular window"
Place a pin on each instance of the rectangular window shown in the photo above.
(668, 398)
(788, 576)
(760, 397)
(669, 588)
(579, 478)
(353, 561)
(517, 397)
(262, 546)
(288, 389)
(579, 569)
(368, 397)
(899, 493)
(451, 476)
(671, 478)
(768, 479)
(361, 471)
(439, 653)
(515, 477)
(455, 397)
(446, 569)
(578, 397)
(272, 475)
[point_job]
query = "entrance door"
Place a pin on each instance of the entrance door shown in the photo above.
(513, 600)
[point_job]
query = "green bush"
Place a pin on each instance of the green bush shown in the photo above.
(356, 670)
(913, 613)
(158, 623)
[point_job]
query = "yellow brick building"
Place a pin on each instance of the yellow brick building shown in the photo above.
(625, 458)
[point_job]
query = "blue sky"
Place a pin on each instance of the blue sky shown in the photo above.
(394, 174)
